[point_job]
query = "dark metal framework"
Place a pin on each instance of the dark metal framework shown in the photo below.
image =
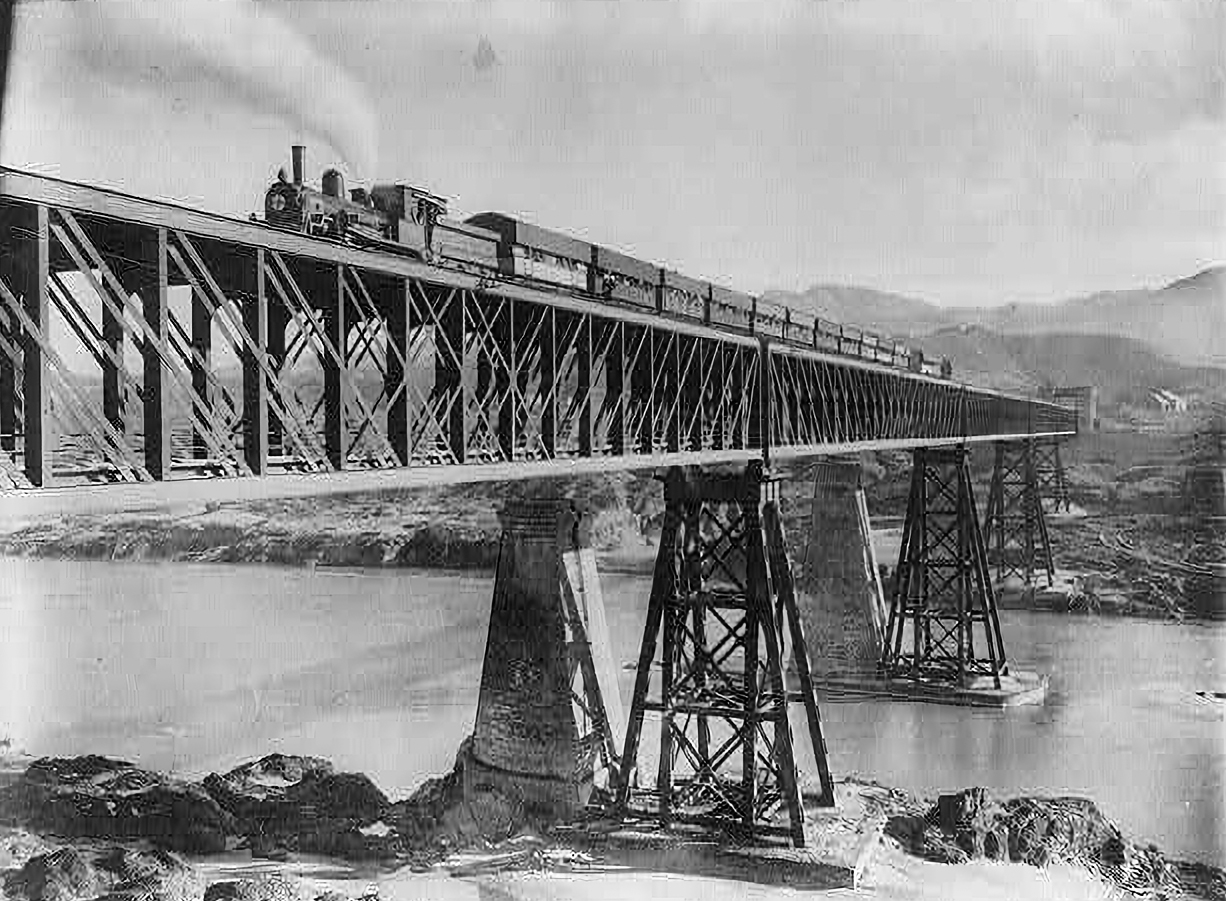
(723, 616)
(942, 592)
(1049, 473)
(141, 341)
(1015, 522)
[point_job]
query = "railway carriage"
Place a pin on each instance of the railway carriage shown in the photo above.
(529, 251)
(731, 309)
(403, 219)
(682, 296)
(617, 276)
(770, 319)
(802, 328)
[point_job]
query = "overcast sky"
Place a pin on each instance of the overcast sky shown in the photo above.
(965, 152)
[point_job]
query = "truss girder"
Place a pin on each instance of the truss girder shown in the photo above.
(132, 352)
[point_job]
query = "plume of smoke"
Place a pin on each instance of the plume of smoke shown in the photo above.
(249, 53)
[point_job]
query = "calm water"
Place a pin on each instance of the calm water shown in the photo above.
(195, 668)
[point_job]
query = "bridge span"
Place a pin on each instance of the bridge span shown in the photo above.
(151, 353)
(144, 343)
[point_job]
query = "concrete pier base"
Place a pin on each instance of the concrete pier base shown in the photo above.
(548, 714)
(838, 587)
(1018, 688)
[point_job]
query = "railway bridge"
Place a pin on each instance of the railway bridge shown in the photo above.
(151, 353)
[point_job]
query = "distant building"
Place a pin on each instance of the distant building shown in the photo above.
(1083, 399)
(1168, 401)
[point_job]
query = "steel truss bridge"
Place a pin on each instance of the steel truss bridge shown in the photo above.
(143, 342)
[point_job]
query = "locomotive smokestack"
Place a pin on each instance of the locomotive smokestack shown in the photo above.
(298, 152)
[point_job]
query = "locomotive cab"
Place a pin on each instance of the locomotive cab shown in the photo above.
(412, 212)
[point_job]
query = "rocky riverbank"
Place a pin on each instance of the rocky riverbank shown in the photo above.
(455, 527)
(1131, 550)
(73, 829)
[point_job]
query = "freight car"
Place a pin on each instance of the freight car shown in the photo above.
(410, 221)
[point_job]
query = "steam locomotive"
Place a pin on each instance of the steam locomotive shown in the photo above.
(410, 221)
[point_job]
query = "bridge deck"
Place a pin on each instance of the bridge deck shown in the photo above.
(143, 344)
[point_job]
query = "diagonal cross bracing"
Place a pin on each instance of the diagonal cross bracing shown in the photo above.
(474, 371)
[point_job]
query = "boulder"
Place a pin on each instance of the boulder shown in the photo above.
(262, 888)
(17, 846)
(62, 875)
(152, 875)
(284, 803)
(74, 874)
(99, 797)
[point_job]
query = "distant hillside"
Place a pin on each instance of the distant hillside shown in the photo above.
(1122, 368)
(1185, 320)
(880, 311)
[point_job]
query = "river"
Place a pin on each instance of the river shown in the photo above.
(193, 668)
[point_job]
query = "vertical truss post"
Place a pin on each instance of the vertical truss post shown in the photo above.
(278, 323)
(672, 394)
(615, 385)
(694, 404)
(202, 344)
(8, 388)
(583, 349)
(10, 331)
(642, 410)
(719, 396)
(760, 412)
(1015, 523)
(154, 290)
(397, 389)
(255, 384)
(942, 590)
(724, 610)
(448, 367)
(504, 382)
(112, 370)
(31, 273)
(336, 328)
(549, 380)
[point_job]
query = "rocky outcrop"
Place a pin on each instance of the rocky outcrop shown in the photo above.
(454, 812)
(263, 888)
(972, 824)
(92, 873)
(283, 803)
(100, 797)
(275, 806)
(116, 874)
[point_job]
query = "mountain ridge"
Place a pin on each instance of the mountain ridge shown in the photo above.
(1184, 320)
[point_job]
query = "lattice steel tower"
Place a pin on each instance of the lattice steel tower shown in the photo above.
(1015, 522)
(942, 593)
(723, 614)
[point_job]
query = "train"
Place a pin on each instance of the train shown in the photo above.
(410, 221)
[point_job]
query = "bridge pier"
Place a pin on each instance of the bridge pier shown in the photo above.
(1049, 473)
(942, 593)
(724, 609)
(839, 589)
(1015, 523)
(548, 714)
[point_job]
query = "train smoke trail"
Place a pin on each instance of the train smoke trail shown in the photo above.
(251, 54)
